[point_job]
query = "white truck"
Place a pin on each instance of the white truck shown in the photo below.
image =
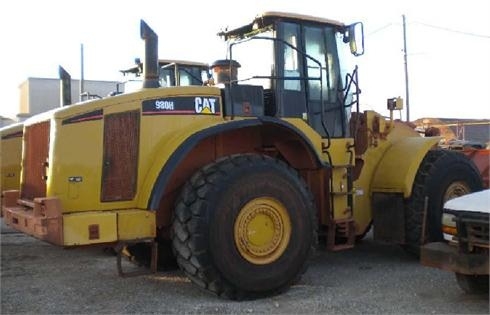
(465, 250)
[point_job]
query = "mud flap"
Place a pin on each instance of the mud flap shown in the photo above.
(388, 218)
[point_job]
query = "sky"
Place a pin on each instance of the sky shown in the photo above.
(448, 44)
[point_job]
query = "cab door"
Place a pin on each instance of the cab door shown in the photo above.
(310, 81)
(290, 85)
(325, 94)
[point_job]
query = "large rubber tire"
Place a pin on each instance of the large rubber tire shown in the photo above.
(441, 176)
(220, 209)
(473, 284)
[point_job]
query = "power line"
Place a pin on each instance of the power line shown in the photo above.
(452, 30)
(379, 29)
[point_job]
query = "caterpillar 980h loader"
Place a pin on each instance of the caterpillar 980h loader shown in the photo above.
(243, 175)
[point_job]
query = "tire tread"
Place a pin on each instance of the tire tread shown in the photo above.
(190, 252)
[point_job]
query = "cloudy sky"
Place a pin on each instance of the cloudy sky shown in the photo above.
(448, 44)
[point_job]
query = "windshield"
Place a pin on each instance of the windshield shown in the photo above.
(187, 75)
(256, 57)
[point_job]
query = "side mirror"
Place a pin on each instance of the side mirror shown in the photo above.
(205, 75)
(355, 36)
(394, 103)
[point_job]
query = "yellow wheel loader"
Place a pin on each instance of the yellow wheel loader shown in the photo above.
(240, 177)
(10, 157)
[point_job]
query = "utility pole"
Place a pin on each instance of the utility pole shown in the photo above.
(407, 94)
(82, 88)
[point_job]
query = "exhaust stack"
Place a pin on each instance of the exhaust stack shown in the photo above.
(150, 65)
(65, 87)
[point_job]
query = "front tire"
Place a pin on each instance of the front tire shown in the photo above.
(244, 227)
(442, 175)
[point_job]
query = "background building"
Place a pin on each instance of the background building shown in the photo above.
(38, 95)
(5, 121)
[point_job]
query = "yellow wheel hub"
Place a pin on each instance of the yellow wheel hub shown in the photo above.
(456, 189)
(262, 230)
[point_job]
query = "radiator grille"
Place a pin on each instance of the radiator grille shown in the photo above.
(477, 233)
(473, 230)
(36, 146)
(120, 164)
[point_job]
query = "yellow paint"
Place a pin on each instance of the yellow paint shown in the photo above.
(76, 227)
(339, 193)
(78, 149)
(135, 224)
(378, 145)
(390, 163)
(339, 152)
(383, 134)
(77, 152)
(397, 169)
(262, 230)
(10, 157)
(362, 198)
(161, 145)
(77, 158)
(113, 226)
(310, 133)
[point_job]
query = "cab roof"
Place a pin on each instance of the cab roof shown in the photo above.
(269, 17)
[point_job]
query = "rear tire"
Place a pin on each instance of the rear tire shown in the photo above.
(244, 227)
(473, 284)
(442, 175)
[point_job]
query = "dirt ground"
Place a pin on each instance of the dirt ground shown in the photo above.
(372, 278)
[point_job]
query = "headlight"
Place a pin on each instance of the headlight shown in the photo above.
(448, 226)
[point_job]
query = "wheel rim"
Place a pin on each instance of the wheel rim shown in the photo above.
(262, 230)
(456, 189)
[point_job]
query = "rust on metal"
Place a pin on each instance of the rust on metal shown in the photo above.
(359, 130)
(444, 256)
(120, 250)
(481, 158)
(93, 232)
(120, 160)
(36, 140)
(343, 229)
(43, 220)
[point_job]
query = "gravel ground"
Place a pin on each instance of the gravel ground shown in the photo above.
(372, 278)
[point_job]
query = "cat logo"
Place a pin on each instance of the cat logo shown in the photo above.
(205, 105)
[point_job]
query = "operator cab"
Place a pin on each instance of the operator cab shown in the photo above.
(299, 62)
(170, 73)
